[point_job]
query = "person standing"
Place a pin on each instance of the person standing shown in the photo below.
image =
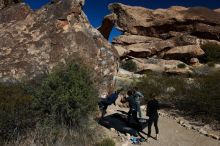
(132, 106)
(138, 95)
(152, 113)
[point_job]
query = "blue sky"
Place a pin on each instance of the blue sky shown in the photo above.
(97, 9)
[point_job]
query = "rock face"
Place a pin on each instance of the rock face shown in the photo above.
(170, 34)
(6, 3)
(162, 66)
(141, 21)
(32, 43)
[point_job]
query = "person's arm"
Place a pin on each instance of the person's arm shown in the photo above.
(158, 106)
(124, 99)
(147, 111)
(140, 94)
(116, 97)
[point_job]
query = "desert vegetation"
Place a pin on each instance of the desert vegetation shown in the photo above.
(212, 51)
(106, 142)
(129, 65)
(57, 108)
(197, 96)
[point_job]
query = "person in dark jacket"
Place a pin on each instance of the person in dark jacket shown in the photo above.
(110, 99)
(152, 113)
(132, 106)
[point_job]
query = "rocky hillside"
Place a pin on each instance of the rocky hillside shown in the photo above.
(32, 43)
(6, 3)
(162, 39)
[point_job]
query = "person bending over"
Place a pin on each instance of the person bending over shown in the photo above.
(110, 99)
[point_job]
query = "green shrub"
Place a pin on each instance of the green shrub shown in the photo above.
(106, 142)
(66, 96)
(212, 51)
(211, 64)
(15, 110)
(204, 96)
(161, 85)
(181, 65)
(129, 65)
(199, 97)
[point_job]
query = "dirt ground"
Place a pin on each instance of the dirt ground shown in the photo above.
(171, 133)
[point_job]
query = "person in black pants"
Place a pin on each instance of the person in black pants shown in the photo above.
(132, 106)
(152, 113)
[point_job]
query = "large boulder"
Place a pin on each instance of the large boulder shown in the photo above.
(140, 46)
(107, 25)
(37, 41)
(162, 66)
(183, 53)
(176, 33)
(133, 39)
(142, 21)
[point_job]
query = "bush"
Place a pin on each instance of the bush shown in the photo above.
(205, 98)
(15, 110)
(106, 142)
(66, 96)
(211, 64)
(212, 51)
(199, 97)
(129, 65)
(181, 65)
(161, 85)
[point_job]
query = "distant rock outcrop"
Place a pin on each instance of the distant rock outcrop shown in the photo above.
(171, 34)
(34, 42)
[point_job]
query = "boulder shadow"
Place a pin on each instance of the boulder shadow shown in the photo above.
(119, 122)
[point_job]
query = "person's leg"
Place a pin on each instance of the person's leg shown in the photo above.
(129, 115)
(139, 109)
(150, 122)
(134, 115)
(156, 126)
(104, 108)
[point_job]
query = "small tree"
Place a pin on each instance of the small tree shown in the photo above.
(181, 65)
(129, 65)
(212, 51)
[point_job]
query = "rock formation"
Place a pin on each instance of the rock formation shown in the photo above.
(171, 34)
(6, 3)
(34, 42)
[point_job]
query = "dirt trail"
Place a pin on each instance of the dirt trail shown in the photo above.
(171, 134)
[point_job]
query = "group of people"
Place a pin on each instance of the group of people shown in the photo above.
(133, 98)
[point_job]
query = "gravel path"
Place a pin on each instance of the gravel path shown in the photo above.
(172, 134)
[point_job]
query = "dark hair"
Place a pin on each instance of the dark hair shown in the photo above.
(130, 92)
(152, 95)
